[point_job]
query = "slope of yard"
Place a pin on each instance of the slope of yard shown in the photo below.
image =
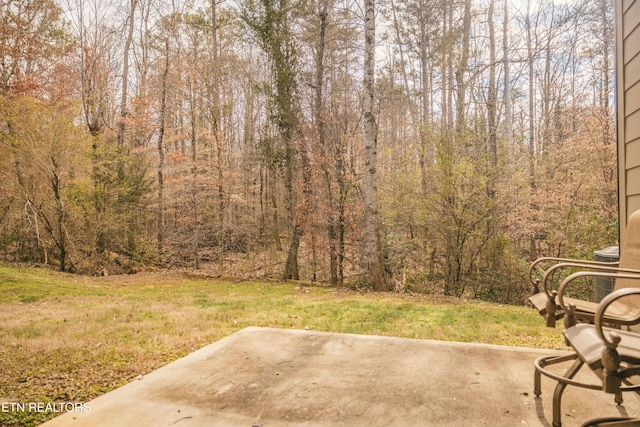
(66, 338)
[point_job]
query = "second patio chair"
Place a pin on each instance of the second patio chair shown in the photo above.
(554, 304)
(612, 354)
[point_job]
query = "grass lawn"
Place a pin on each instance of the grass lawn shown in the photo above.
(67, 338)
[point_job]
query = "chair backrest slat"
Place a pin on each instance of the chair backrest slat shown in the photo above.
(630, 251)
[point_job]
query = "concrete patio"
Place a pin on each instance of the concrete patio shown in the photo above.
(273, 377)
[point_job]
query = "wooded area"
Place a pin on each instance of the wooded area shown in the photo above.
(424, 145)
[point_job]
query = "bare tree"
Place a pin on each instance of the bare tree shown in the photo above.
(492, 99)
(161, 137)
(271, 22)
(125, 71)
(462, 68)
(508, 108)
(375, 258)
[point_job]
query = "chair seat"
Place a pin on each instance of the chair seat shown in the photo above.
(619, 312)
(539, 302)
(587, 343)
(615, 360)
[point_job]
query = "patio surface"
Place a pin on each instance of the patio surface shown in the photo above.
(262, 377)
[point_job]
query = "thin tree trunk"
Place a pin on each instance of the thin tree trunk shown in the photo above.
(291, 265)
(462, 68)
(425, 120)
(405, 79)
(606, 29)
(273, 197)
(531, 147)
(492, 101)
(216, 114)
(372, 220)
(547, 95)
(125, 74)
(450, 73)
(163, 114)
(508, 109)
(298, 216)
(61, 239)
(322, 143)
(530, 65)
(92, 116)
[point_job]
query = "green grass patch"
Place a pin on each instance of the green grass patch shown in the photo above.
(71, 338)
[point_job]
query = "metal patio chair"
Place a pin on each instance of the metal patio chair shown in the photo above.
(613, 422)
(554, 304)
(612, 354)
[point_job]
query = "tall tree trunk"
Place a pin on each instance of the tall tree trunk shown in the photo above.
(125, 73)
(319, 114)
(462, 68)
(530, 67)
(59, 234)
(215, 67)
(531, 145)
(195, 194)
(298, 215)
(161, 133)
(547, 94)
(405, 78)
(491, 102)
(93, 116)
(216, 114)
(450, 64)
(291, 265)
(606, 92)
(445, 56)
(270, 22)
(272, 190)
(508, 109)
(425, 99)
(372, 220)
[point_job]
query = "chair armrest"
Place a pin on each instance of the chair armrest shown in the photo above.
(536, 265)
(613, 372)
(609, 272)
(589, 265)
(613, 341)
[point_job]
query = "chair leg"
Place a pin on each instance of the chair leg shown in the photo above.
(541, 363)
(557, 395)
(551, 315)
(537, 381)
(618, 398)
